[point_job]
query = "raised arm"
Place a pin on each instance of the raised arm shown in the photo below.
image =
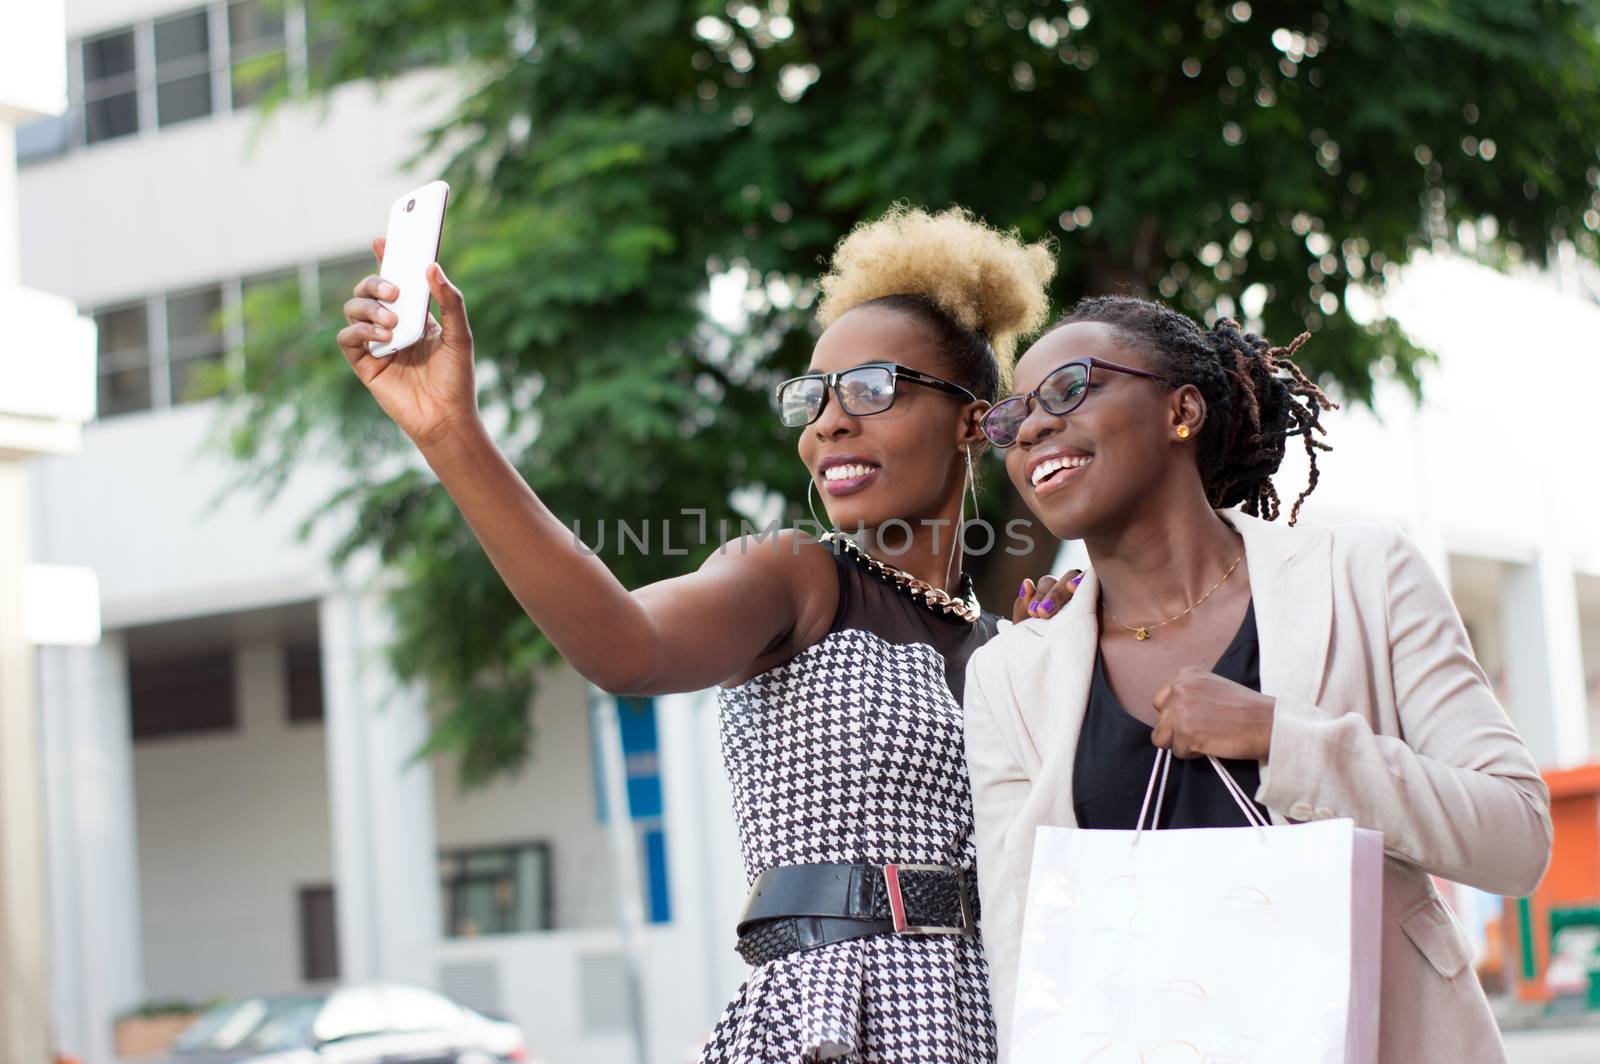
(677, 635)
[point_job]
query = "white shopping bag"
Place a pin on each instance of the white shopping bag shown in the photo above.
(1255, 945)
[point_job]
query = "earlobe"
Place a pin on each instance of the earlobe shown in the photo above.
(972, 437)
(1190, 412)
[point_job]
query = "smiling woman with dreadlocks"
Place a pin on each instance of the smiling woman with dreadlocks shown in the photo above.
(1326, 669)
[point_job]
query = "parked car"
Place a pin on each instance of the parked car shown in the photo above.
(377, 1024)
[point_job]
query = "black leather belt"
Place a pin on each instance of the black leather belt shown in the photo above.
(800, 907)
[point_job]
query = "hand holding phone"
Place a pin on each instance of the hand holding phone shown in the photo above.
(416, 224)
(418, 369)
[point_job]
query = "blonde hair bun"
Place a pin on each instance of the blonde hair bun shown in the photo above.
(987, 281)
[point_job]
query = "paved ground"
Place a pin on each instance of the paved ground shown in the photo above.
(1576, 1045)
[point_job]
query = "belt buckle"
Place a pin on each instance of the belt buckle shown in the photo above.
(897, 904)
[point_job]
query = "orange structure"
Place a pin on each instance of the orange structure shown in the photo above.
(1572, 882)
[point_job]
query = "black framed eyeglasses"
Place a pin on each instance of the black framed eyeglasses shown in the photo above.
(865, 389)
(1061, 392)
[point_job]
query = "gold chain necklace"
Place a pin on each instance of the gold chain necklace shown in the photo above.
(1142, 632)
(934, 598)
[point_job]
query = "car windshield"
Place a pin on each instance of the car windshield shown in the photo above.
(258, 1024)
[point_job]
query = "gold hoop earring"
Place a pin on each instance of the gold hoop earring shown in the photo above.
(1183, 432)
(961, 519)
(972, 485)
(811, 491)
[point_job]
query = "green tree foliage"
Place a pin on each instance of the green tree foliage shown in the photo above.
(609, 158)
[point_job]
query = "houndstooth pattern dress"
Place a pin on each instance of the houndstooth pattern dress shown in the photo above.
(852, 752)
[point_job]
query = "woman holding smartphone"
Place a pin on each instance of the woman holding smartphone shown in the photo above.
(1327, 669)
(840, 662)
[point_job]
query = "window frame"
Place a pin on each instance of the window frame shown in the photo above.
(188, 67)
(211, 345)
(158, 357)
(127, 359)
(158, 728)
(296, 42)
(126, 83)
(239, 53)
(452, 882)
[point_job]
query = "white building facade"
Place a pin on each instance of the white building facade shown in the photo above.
(232, 802)
(232, 799)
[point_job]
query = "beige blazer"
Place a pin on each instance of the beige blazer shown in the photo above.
(1382, 715)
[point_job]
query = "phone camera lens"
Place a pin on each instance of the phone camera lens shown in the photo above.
(410, 204)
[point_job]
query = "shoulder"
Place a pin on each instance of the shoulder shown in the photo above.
(1376, 566)
(788, 563)
(1352, 542)
(787, 567)
(785, 553)
(1374, 548)
(1356, 536)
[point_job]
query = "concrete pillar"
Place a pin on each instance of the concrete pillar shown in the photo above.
(97, 966)
(385, 857)
(10, 245)
(23, 1006)
(707, 875)
(1544, 660)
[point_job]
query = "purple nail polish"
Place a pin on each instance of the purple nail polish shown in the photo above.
(1022, 590)
(1047, 606)
(1077, 580)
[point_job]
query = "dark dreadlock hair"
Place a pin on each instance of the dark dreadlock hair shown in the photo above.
(1251, 410)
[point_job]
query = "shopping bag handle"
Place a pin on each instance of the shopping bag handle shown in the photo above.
(1160, 769)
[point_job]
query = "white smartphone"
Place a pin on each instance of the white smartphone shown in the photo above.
(416, 222)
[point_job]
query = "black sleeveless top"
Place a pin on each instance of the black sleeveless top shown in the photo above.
(1112, 766)
(869, 601)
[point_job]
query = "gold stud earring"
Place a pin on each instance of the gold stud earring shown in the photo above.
(1183, 432)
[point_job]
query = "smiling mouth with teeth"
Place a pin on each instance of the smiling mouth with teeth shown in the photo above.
(846, 472)
(1050, 467)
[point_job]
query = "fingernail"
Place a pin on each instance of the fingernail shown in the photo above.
(1022, 590)
(389, 291)
(1047, 606)
(1077, 580)
(383, 334)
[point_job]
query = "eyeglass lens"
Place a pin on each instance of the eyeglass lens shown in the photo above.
(861, 391)
(1061, 391)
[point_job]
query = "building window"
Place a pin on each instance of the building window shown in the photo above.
(173, 348)
(304, 667)
(337, 278)
(183, 68)
(227, 54)
(195, 342)
(496, 890)
(124, 358)
(257, 50)
(322, 38)
(265, 293)
(181, 696)
(110, 86)
(319, 935)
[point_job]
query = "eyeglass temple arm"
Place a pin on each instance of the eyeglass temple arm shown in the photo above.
(935, 382)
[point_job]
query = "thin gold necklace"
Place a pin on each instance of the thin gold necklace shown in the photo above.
(936, 599)
(1142, 632)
